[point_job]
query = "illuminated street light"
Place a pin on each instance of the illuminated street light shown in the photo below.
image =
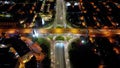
(74, 31)
(68, 4)
(76, 3)
(83, 40)
(3, 46)
(35, 33)
(58, 30)
(43, 22)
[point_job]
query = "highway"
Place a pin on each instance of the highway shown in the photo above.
(63, 30)
(59, 55)
(60, 18)
(60, 21)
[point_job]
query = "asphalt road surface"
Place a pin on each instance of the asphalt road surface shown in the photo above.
(59, 55)
(60, 18)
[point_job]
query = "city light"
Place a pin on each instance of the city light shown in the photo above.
(74, 31)
(76, 3)
(83, 41)
(3, 46)
(68, 4)
(43, 22)
(35, 33)
(58, 30)
(69, 27)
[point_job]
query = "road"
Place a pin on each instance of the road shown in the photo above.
(59, 55)
(71, 30)
(60, 21)
(60, 18)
